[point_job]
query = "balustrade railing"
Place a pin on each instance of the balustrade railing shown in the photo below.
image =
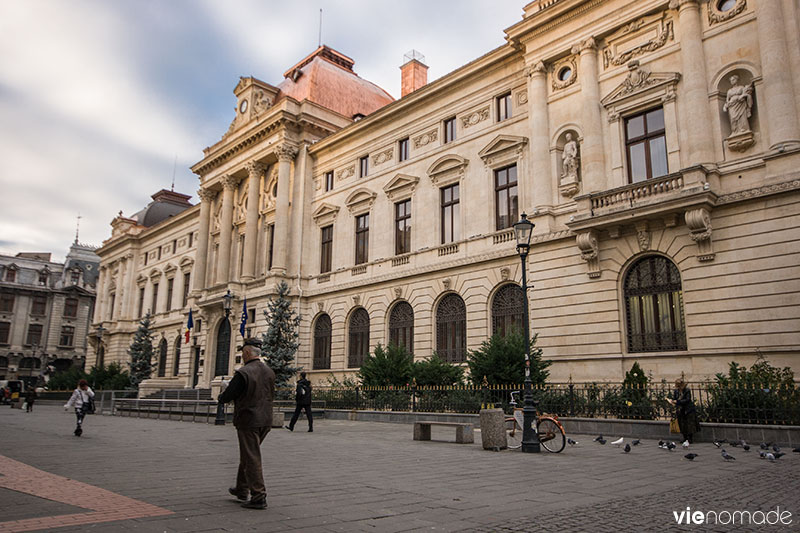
(628, 195)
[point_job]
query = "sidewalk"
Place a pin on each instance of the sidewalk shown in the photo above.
(362, 476)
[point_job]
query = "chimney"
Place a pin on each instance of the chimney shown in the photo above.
(414, 73)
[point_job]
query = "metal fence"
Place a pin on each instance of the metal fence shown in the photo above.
(750, 404)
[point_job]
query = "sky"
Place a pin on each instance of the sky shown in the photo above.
(103, 102)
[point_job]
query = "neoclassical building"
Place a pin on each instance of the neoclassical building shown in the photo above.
(655, 144)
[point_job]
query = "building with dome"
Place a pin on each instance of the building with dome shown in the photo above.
(655, 145)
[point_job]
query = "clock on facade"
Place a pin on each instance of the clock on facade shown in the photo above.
(243, 106)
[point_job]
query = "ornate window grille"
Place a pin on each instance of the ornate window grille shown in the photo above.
(176, 362)
(508, 308)
(451, 329)
(654, 306)
(223, 348)
(162, 358)
(359, 338)
(322, 342)
(401, 326)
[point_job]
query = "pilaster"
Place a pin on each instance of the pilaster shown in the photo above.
(255, 170)
(286, 154)
(592, 155)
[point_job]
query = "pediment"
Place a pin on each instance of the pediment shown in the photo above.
(501, 145)
(401, 185)
(155, 273)
(360, 201)
(447, 168)
(639, 82)
(141, 279)
(325, 214)
(170, 268)
(186, 262)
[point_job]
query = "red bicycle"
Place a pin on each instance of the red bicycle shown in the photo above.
(551, 433)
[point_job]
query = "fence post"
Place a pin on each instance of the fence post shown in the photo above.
(571, 397)
(484, 387)
(414, 395)
(358, 405)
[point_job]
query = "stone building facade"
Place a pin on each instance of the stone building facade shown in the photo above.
(655, 145)
(46, 308)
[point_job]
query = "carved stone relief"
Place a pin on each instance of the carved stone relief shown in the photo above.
(564, 73)
(446, 283)
(739, 106)
(699, 223)
(643, 235)
(570, 165)
(398, 292)
(383, 157)
(475, 117)
(590, 251)
(426, 138)
(715, 16)
(346, 172)
(505, 273)
(637, 38)
(522, 97)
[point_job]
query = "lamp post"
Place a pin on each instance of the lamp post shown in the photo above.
(227, 302)
(530, 436)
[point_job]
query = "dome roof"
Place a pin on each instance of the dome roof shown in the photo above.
(326, 78)
(165, 204)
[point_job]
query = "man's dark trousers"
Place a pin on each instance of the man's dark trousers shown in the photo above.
(250, 474)
(296, 415)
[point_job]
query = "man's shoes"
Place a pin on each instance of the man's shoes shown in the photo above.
(311, 430)
(290, 429)
(78, 431)
(255, 504)
(240, 495)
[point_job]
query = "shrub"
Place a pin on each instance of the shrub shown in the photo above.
(502, 360)
(387, 366)
(436, 371)
(66, 380)
(111, 377)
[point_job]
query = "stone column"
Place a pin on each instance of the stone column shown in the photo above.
(593, 165)
(286, 153)
(696, 113)
(783, 127)
(255, 171)
(225, 228)
(540, 136)
(125, 311)
(201, 256)
(124, 268)
(100, 295)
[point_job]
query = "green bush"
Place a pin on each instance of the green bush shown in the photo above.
(387, 366)
(66, 380)
(502, 360)
(111, 377)
(436, 371)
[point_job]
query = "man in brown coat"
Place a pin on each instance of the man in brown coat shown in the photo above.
(252, 391)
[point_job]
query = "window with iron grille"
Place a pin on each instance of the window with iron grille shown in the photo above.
(451, 214)
(359, 338)
(176, 362)
(329, 181)
(508, 309)
(6, 303)
(654, 306)
(67, 338)
(363, 167)
(449, 130)
(401, 326)
(162, 358)
(71, 307)
(362, 239)
(402, 150)
(451, 329)
(646, 145)
(322, 342)
(34, 335)
(5, 329)
(503, 107)
(505, 194)
(326, 250)
(39, 306)
(402, 227)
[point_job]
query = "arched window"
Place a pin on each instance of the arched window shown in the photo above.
(654, 306)
(223, 348)
(322, 342)
(28, 362)
(176, 362)
(451, 329)
(359, 338)
(508, 308)
(162, 358)
(401, 326)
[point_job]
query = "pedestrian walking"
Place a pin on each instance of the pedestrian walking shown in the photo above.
(30, 397)
(685, 411)
(303, 402)
(81, 401)
(252, 391)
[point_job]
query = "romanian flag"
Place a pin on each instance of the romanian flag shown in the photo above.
(189, 326)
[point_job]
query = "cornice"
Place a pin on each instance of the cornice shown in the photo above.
(759, 192)
(518, 32)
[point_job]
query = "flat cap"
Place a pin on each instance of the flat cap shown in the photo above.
(252, 341)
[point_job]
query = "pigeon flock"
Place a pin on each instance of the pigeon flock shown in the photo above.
(769, 450)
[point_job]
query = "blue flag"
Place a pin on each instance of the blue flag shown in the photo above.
(244, 317)
(189, 326)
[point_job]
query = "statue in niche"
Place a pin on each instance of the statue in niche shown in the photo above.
(739, 105)
(570, 160)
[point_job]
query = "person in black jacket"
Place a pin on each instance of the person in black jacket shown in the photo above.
(685, 411)
(303, 399)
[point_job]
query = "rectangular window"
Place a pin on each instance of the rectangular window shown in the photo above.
(402, 149)
(6, 303)
(34, 335)
(646, 145)
(145, 259)
(241, 254)
(362, 239)
(39, 306)
(271, 245)
(141, 302)
(11, 275)
(504, 107)
(199, 325)
(505, 193)
(170, 291)
(159, 253)
(5, 330)
(154, 303)
(251, 316)
(71, 307)
(75, 277)
(67, 336)
(191, 239)
(363, 167)
(329, 181)
(402, 227)
(451, 215)
(174, 245)
(42, 278)
(113, 306)
(450, 130)
(326, 250)
(186, 288)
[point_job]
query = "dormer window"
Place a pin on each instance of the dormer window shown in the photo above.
(75, 277)
(43, 278)
(11, 275)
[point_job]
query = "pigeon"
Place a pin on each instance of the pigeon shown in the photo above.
(598, 438)
(571, 442)
(636, 442)
(618, 442)
(746, 447)
(718, 443)
(778, 455)
(671, 446)
(762, 454)
(690, 456)
(763, 445)
(733, 444)
(742, 442)
(727, 456)
(797, 450)
(602, 441)
(661, 444)
(685, 445)
(770, 457)
(776, 448)
(627, 448)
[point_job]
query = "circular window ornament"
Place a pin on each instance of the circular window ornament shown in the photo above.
(725, 5)
(243, 106)
(564, 74)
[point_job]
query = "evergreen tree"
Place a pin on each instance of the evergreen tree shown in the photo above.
(279, 344)
(391, 365)
(437, 371)
(502, 360)
(141, 352)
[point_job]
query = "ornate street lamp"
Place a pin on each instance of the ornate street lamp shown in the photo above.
(227, 302)
(530, 436)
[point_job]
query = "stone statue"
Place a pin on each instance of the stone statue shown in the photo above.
(738, 105)
(570, 160)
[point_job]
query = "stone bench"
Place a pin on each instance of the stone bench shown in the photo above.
(464, 432)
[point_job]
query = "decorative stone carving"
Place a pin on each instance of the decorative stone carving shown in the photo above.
(206, 195)
(663, 84)
(360, 201)
(475, 117)
(383, 157)
(637, 38)
(285, 152)
(325, 214)
(739, 106)
(228, 182)
(503, 147)
(398, 292)
(590, 251)
(356, 300)
(426, 138)
(715, 16)
(320, 307)
(400, 187)
(585, 45)
(447, 283)
(570, 159)
(699, 223)
(505, 273)
(636, 79)
(346, 172)
(255, 167)
(447, 169)
(261, 102)
(643, 235)
(522, 97)
(566, 63)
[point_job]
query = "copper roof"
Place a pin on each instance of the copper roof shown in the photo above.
(326, 77)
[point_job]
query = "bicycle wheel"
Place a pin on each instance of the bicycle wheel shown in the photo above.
(513, 434)
(551, 436)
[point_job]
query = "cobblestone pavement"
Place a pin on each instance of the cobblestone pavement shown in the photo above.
(360, 476)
